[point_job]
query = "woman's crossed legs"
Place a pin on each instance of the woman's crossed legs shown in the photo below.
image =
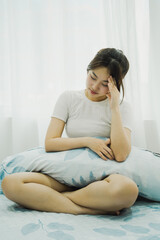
(40, 192)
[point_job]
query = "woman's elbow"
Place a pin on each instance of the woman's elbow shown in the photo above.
(46, 149)
(47, 146)
(51, 145)
(122, 156)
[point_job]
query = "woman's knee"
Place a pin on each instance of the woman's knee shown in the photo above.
(123, 189)
(11, 185)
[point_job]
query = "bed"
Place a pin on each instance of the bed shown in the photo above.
(140, 222)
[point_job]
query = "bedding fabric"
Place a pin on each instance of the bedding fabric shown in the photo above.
(140, 222)
(79, 167)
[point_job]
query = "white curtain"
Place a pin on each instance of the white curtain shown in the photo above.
(45, 47)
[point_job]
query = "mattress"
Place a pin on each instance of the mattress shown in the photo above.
(140, 222)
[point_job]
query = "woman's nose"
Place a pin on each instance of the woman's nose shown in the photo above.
(95, 86)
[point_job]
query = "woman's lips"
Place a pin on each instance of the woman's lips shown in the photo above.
(92, 92)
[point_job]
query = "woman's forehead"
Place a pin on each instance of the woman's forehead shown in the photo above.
(101, 73)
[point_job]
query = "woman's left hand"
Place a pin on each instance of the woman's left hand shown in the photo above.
(113, 93)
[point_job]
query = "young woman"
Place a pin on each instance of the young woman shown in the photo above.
(94, 111)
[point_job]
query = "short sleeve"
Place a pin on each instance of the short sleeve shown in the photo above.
(61, 109)
(126, 115)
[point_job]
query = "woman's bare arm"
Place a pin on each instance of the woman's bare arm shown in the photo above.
(120, 137)
(54, 141)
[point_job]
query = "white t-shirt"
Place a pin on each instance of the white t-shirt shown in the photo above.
(84, 117)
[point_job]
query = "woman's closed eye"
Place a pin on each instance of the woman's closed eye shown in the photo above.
(105, 85)
(93, 78)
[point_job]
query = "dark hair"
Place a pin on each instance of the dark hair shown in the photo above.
(115, 61)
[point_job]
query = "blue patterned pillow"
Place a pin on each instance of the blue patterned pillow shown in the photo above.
(79, 167)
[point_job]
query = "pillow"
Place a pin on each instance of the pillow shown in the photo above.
(79, 167)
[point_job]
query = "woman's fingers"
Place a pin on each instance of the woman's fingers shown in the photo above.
(105, 155)
(108, 149)
(102, 156)
(101, 148)
(108, 152)
(112, 80)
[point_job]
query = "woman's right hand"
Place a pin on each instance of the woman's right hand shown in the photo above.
(101, 147)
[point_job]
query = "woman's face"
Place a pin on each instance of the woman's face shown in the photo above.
(97, 84)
